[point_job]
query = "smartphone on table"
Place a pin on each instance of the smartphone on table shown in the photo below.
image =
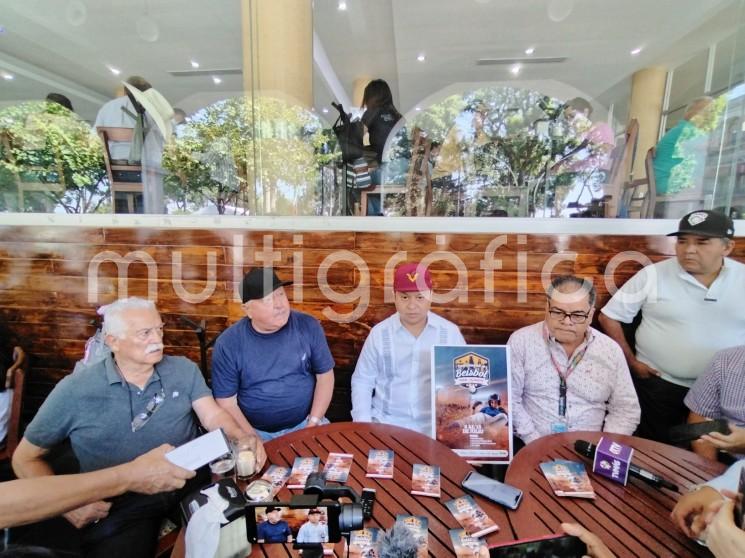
(689, 432)
(565, 546)
(496, 491)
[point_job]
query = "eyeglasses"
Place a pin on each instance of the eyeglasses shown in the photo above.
(575, 317)
(153, 405)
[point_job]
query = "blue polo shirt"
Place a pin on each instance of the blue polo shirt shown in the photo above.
(273, 532)
(93, 407)
(273, 374)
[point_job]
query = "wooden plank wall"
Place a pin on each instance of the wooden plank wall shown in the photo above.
(45, 304)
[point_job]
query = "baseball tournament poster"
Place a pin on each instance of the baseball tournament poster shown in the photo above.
(471, 401)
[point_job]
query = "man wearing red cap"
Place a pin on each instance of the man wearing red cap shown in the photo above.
(391, 383)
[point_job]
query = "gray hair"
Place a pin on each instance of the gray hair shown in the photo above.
(581, 284)
(113, 319)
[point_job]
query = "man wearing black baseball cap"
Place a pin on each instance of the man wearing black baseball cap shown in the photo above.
(692, 306)
(313, 531)
(274, 529)
(273, 368)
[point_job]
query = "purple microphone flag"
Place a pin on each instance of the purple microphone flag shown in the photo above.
(612, 460)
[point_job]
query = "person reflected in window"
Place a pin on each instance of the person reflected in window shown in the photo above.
(681, 153)
(587, 166)
(61, 100)
(379, 118)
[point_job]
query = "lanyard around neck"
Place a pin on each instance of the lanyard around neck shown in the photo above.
(564, 376)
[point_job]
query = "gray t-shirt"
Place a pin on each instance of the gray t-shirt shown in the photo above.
(94, 408)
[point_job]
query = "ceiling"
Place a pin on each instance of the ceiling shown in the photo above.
(66, 45)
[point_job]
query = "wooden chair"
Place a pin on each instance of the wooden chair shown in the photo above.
(114, 168)
(14, 379)
(418, 180)
(636, 200)
(622, 156)
(24, 186)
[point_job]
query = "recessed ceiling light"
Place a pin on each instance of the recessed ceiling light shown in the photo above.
(529, 51)
(324, 110)
(7, 76)
(194, 64)
(515, 69)
(636, 51)
(421, 57)
(216, 80)
(342, 6)
(114, 71)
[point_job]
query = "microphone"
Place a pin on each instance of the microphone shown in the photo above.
(587, 449)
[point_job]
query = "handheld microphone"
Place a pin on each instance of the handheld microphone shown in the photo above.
(587, 449)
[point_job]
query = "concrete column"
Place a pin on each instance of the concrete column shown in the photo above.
(647, 97)
(277, 42)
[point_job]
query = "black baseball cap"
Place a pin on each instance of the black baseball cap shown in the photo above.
(703, 222)
(270, 509)
(260, 282)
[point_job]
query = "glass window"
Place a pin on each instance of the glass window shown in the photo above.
(471, 108)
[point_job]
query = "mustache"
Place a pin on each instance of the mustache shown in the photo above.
(153, 348)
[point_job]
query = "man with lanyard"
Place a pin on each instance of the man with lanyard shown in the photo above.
(391, 382)
(691, 307)
(567, 375)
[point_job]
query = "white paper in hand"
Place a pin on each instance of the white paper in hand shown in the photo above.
(200, 451)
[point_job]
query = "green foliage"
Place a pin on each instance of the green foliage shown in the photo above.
(487, 151)
(257, 156)
(44, 143)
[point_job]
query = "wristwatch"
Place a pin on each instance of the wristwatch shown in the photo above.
(315, 421)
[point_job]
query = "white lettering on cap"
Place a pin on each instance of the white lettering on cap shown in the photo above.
(697, 218)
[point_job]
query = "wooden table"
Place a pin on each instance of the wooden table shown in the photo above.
(631, 520)
(393, 495)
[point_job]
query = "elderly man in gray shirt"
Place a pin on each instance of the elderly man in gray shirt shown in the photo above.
(115, 410)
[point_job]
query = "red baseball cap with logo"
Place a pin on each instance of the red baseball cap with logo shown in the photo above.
(412, 277)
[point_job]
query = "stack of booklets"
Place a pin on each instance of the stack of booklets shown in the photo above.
(380, 463)
(425, 480)
(278, 476)
(301, 468)
(568, 478)
(465, 545)
(338, 466)
(364, 543)
(471, 517)
(419, 527)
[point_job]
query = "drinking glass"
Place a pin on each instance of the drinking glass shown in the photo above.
(245, 457)
(223, 467)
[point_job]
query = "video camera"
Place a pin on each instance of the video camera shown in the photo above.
(285, 522)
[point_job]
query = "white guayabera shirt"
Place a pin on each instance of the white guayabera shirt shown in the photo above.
(392, 381)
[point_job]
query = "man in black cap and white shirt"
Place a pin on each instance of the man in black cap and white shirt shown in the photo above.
(273, 368)
(692, 306)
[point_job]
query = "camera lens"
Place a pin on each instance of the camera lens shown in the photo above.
(315, 484)
(350, 518)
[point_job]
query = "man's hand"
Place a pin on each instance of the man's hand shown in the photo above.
(152, 473)
(732, 442)
(260, 454)
(81, 517)
(688, 513)
(641, 370)
(723, 537)
(595, 547)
